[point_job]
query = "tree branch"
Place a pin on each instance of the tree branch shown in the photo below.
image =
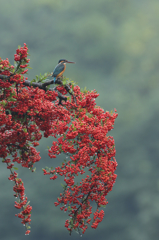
(44, 85)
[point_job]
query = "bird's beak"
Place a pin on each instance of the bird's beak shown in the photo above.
(70, 62)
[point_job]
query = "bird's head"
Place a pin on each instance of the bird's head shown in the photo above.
(64, 61)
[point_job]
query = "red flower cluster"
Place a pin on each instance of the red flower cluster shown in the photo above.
(21, 53)
(21, 58)
(81, 129)
(21, 203)
(5, 67)
(91, 152)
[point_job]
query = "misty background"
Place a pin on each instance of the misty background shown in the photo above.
(115, 44)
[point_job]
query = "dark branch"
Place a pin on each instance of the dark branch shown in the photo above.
(44, 85)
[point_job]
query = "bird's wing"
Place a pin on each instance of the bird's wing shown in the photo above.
(59, 68)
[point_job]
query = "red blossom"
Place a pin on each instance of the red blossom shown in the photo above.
(81, 131)
(27, 232)
(21, 53)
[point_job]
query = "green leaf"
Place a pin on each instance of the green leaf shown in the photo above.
(28, 227)
(12, 99)
(15, 168)
(64, 82)
(25, 130)
(4, 103)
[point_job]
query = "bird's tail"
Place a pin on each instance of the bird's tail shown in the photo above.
(54, 79)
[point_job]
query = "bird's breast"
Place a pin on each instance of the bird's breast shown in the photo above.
(62, 71)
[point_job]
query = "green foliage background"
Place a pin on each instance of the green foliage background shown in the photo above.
(115, 46)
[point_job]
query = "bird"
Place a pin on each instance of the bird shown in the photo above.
(60, 68)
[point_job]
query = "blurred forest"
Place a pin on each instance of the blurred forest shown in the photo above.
(115, 46)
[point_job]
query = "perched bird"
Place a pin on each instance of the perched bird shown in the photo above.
(60, 68)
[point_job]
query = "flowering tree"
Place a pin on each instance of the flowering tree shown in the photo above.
(30, 110)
